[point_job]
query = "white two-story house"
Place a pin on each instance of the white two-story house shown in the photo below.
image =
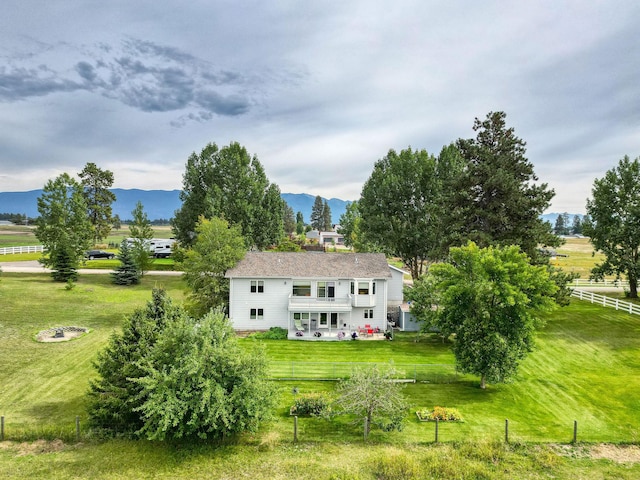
(313, 295)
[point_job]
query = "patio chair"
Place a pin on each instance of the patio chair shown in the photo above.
(298, 325)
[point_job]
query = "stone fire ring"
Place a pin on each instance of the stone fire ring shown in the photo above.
(60, 334)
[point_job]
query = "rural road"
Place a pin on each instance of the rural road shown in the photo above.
(33, 266)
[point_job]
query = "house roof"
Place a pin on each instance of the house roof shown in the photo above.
(311, 265)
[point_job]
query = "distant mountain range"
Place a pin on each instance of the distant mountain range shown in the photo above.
(158, 204)
(161, 204)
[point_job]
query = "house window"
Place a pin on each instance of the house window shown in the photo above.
(352, 288)
(322, 289)
(368, 313)
(301, 289)
(374, 288)
(301, 316)
(363, 288)
(257, 314)
(257, 286)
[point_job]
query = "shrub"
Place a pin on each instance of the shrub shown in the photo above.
(311, 404)
(274, 333)
(443, 414)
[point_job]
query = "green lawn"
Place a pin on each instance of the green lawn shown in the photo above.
(585, 368)
(43, 384)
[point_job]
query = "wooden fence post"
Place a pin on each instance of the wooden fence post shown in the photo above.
(575, 431)
(506, 430)
(295, 428)
(437, 429)
(77, 428)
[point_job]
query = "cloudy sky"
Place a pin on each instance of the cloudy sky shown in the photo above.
(318, 90)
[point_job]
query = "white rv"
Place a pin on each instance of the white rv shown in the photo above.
(158, 247)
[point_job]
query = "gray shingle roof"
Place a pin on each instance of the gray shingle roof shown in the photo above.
(310, 265)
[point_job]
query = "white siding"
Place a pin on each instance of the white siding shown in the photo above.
(396, 285)
(274, 301)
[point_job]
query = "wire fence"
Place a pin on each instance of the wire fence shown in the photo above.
(415, 372)
(314, 429)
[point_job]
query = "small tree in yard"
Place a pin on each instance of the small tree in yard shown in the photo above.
(114, 396)
(127, 272)
(168, 375)
(490, 300)
(63, 226)
(373, 396)
(217, 248)
(141, 232)
(199, 382)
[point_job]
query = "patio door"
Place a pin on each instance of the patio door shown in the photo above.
(323, 322)
(334, 320)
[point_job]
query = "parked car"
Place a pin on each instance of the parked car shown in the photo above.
(95, 254)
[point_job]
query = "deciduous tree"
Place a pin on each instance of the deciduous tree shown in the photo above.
(404, 205)
(95, 187)
(141, 234)
(198, 382)
(373, 397)
(218, 247)
(230, 184)
(490, 300)
(63, 226)
(614, 222)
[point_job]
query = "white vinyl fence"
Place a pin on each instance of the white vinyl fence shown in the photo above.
(606, 301)
(582, 282)
(29, 249)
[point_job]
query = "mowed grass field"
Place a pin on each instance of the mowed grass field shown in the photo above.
(585, 368)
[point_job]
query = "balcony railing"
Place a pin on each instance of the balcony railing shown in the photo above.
(315, 303)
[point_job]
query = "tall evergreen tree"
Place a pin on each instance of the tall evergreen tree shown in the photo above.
(560, 227)
(317, 214)
(499, 202)
(299, 223)
(576, 225)
(288, 220)
(96, 183)
(327, 224)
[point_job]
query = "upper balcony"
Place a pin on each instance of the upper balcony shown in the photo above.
(363, 300)
(324, 304)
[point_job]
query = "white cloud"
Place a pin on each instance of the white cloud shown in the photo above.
(318, 91)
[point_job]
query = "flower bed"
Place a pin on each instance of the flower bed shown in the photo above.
(442, 414)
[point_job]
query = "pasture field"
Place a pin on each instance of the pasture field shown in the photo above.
(20, 235)
(580, 258)
(585, 368)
